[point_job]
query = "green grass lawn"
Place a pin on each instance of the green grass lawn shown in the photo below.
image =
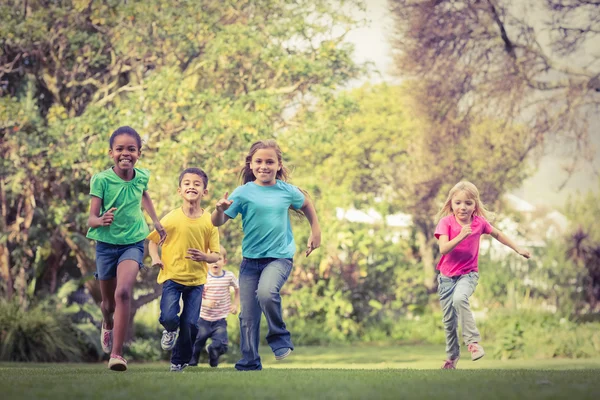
(362, 372)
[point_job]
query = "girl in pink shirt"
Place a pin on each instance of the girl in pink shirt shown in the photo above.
(462, 221)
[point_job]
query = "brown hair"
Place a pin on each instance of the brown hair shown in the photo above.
(246, 174)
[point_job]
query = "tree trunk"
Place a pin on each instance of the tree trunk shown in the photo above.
(4, 258)
(86, 265)
(136, 304)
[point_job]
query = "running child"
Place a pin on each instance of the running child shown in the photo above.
(462, 221)
(192, 242)
(118, 226)
(268, 247)
(216, 306)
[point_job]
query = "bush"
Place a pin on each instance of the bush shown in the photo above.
(39, 335)
(533, 334)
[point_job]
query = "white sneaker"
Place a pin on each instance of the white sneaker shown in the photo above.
(476, 351)
(177, 367)
(117, 363)
(106, 339)
(167, 342)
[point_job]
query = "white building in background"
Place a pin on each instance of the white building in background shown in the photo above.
(538, 228)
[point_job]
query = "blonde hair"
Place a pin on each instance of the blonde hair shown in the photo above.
(472, 193)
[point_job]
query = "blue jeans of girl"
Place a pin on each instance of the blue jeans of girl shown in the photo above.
(261, 280)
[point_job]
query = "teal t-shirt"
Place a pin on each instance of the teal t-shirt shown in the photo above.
(129, 225)
(265, 218)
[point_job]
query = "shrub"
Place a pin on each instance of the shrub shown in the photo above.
(40, 335)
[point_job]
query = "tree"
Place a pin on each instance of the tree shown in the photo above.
(371, 147)
(528, 64)
(199, 85)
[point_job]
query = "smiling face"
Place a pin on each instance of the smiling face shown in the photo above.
(191, 188)
(463, 206)
(125, 152)
(264, 166)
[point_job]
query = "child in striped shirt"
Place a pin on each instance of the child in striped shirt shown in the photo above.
(216, 306)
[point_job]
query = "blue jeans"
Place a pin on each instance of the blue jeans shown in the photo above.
(261, 280)
(186, 322)
(217, 330)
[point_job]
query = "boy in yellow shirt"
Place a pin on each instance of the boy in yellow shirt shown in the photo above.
(192, 243)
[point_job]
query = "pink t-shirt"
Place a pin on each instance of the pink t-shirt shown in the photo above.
(463, 258)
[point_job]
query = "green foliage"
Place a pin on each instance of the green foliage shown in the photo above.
(511, 342)
(39, 335)
(535, 334)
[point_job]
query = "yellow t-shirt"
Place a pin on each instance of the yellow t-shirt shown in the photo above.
(184, 233)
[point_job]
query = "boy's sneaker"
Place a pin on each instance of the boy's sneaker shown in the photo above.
(282, 353)
(450, 363)
(106, 339)
(168, 340)
(117, 363)
(177, 367)
(476, 351)
(213, 356)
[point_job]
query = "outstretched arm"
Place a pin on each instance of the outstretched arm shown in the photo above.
(149, 207)
(314, 240)
(505, 240)
(218, 217)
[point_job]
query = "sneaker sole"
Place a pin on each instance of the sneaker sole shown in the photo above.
(284, 355)
(118, 367)
(478, 358)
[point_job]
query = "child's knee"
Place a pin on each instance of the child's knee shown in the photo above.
(460, 301)
(122, 295)
(266, 295)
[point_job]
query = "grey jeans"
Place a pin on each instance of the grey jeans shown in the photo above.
(454, 298)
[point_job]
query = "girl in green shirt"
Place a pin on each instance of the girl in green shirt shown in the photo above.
(117, 225)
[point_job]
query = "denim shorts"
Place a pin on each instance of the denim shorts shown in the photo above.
(109, 256)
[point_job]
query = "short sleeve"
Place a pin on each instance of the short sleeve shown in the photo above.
(144, 178)
(234, 281)
(213, 242)
(97, 187)
(442, 228)
(297, 197)
(487, 228)
(235, 207)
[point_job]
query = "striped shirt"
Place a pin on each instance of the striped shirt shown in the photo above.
(217, 288)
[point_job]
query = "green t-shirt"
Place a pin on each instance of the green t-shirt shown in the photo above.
(129, 225)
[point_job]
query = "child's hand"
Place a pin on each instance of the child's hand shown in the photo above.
(466, 231)
(223, 203)
(314, 241)
(108, 217)
(161, 232)
(196, 255)
(233, 309)
(524, 253)
(157, 263)
(209, 303)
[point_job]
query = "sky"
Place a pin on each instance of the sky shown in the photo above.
(542, 188)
